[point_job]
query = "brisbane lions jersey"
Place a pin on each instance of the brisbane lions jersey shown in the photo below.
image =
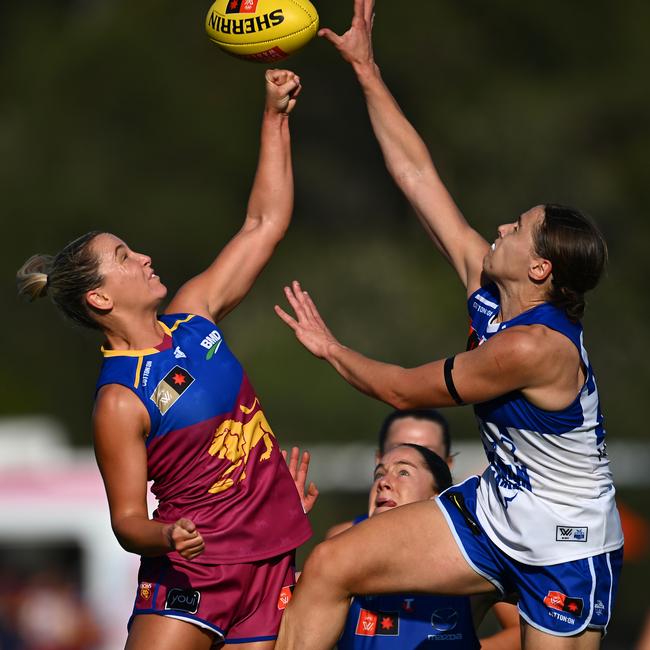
(547, 495)
(211, 453)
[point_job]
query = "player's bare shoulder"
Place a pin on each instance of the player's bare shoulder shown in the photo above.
(555, 370)
(117, 409)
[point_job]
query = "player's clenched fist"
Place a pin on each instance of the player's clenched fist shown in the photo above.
(282, 88)
(183, 537)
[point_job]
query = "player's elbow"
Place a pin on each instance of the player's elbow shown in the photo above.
(123, 539)
(268, 226)
(399, 401)
(407, 176)
(412, 395)
(400, 398)
(125, 529)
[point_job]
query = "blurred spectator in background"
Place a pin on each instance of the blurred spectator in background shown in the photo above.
(45, 612)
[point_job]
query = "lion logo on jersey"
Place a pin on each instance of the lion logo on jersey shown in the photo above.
(234, 440)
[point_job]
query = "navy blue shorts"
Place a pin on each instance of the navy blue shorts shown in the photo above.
(560, 599)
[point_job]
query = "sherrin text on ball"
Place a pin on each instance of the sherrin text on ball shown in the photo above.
(261, 30)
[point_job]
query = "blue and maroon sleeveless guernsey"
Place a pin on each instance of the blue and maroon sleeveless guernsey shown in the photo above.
(211, 453)
(547, 496)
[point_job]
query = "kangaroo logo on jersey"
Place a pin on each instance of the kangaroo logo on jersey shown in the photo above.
(510, 475)
(212, 342)
(178, 353)
(234, 441)
(167, 392)
(571, 534)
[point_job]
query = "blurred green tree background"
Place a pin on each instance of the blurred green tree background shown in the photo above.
(122, 116)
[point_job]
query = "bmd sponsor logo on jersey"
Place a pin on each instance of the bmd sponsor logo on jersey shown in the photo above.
(183, 600)
(242, 7)
(167, 392)
(444, 621)
(571, 534)
(377, 623)
(212, 342)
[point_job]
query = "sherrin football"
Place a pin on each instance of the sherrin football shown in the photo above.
(261, 30)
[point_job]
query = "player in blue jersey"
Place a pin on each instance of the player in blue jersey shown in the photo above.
(406, 474)
(427, 429)
(541, 522)
(174, 406)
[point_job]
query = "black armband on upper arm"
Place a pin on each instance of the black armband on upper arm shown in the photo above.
(449, 380)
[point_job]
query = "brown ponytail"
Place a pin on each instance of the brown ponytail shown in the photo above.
(578, 252)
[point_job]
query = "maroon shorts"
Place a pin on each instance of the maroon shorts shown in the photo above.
(240, 603)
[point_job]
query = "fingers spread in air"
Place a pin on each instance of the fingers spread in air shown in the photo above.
(310, 307)
(294, 458)
(291, 322)
(293, 295)
(330, 36)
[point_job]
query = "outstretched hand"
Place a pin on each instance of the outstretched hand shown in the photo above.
(282, 88)
(298, 471)
(308, 325)
(355, 45)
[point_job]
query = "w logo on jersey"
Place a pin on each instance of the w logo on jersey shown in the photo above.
(377, 623)
(571, 534)
(169, 390)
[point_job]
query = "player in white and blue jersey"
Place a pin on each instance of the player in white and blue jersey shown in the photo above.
(541, 523)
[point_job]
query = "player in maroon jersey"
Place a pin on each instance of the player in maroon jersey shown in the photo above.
(174, 405)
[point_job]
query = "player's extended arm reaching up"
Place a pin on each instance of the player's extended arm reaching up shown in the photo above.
(216, 291)
(407, 157)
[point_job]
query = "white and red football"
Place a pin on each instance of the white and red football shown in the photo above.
(261, 30)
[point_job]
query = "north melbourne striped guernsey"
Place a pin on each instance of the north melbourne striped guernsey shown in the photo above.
(547, 495)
